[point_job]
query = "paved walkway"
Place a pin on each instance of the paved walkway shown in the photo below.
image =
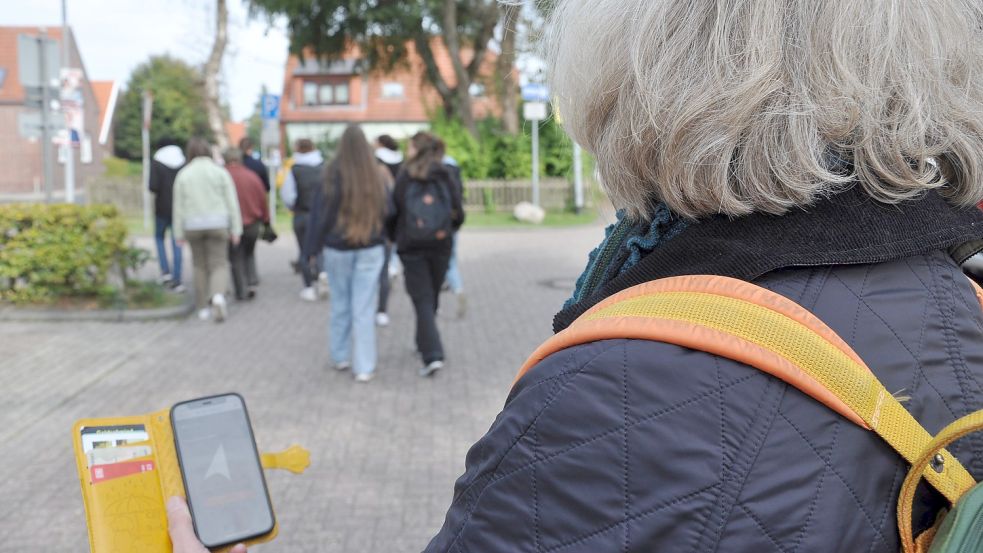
(385, 455)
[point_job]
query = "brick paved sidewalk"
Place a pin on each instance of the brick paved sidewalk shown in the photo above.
(385, 455)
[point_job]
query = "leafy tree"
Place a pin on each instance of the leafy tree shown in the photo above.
(179, 105)
(383, 29)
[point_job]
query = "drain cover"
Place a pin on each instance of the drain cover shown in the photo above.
(559, 283)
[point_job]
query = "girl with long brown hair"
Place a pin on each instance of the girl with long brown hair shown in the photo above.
(428, 212)
(348, 215)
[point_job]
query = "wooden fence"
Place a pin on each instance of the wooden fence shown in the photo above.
(479, 195)
(503, 195)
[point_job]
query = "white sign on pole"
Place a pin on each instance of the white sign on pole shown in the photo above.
(534, 111)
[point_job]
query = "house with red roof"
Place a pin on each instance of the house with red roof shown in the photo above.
(21, 156)
(320, 98)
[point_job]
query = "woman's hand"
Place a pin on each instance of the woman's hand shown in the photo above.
(234, 239)
(182, 531)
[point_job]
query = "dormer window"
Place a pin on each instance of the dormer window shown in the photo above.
(325, 93)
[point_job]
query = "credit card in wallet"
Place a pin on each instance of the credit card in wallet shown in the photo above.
(110, 455)
(100, 437)
(103, 473)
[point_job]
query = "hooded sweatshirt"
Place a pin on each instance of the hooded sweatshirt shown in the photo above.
(166, 163)
(392, 159)
(291, 193)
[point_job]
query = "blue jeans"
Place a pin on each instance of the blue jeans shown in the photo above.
(454, 281)
(353, 276)
(162, 226)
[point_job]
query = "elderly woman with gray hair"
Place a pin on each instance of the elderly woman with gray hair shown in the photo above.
(829, 151)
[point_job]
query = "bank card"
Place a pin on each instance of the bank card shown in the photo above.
(110, 455)
(103, 437)
(102, 473)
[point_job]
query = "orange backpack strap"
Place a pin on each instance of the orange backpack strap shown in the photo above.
(749, 324)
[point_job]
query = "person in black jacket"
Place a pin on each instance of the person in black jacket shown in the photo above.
(298, 189)
(428, 212)
(167, 161)
(254, 163)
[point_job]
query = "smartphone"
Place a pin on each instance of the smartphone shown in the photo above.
(223, 478)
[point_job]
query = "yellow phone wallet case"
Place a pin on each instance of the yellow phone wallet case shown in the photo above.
(127, 468)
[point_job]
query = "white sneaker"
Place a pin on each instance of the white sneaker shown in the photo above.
(164, 279)
(363, 377)
(220, 310)
(381, 319)
(322, 285)
(204, 314)
(343, 366)
(308, 294)
(431, 368)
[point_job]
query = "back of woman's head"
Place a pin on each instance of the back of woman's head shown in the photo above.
(363, 187)
(198, 147)
(737, 106)
(428, 150)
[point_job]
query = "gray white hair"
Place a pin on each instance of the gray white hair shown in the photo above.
(740, 106)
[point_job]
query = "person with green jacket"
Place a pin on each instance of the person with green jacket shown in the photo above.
(206, 215)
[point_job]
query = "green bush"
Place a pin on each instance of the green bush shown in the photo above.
(119, 167)
(462, 146)
(52, 251)
(497, 154)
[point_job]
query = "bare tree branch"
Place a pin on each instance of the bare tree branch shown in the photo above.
(212, 67)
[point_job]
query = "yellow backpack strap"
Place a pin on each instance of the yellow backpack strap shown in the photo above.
(749, 324)
(928, 462)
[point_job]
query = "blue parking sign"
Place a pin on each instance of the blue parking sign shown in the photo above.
(535, 92)
(271, 106)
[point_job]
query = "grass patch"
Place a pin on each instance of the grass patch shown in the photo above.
(481, 219)
(138, 295)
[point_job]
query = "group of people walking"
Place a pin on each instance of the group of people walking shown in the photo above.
(366, 203)
(220, 212)
(355, 218)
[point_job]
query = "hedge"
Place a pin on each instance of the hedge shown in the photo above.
(52, 251)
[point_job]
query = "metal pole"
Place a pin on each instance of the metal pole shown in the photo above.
(46, 159)
(578, 179)
(69, 150)
(145, 138)
(535, 162)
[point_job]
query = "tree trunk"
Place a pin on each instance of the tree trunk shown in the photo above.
(212, 68)
(507, 76)
(462, 100)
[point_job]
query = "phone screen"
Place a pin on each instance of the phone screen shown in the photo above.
(220, 465)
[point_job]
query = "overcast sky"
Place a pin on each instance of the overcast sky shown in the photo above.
(114, 36)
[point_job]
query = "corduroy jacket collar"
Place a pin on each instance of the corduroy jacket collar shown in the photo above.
(846, 229)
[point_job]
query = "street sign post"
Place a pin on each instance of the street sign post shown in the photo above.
(38, 66)
(534, 112)
(269, 139)
(535, 92)
(271, 106)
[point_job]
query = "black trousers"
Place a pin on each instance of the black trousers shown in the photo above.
(385, 285)
(424, 274)
(242, 259)
(300, 231)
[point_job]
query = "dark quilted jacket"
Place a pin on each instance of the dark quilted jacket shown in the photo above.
(629, 445)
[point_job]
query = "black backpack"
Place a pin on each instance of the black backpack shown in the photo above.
(428, 219)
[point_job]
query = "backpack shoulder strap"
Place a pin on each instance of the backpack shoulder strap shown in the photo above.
(749, 324)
